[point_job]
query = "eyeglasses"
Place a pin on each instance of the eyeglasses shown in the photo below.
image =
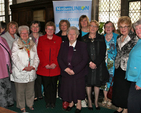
(123, 27)
(35, 26)
(51, 29)
(93, 26)
(108, 26)
(23, 33)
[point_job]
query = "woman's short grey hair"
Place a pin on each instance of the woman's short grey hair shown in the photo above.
(73, 28)
(137, 23)
(23, 27)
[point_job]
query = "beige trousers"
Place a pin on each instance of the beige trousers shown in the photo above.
(24, 93)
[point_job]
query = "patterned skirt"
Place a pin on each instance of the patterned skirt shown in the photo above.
(6, 98)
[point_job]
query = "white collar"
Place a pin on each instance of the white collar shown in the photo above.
(73, 45)
(121, 44)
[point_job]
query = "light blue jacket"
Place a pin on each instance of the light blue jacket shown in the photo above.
(133, 72)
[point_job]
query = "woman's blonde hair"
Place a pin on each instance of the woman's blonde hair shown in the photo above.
(124, 20)
(96, 22)
(50, 23)
(12, 23)
(81, 18)
(62, 21)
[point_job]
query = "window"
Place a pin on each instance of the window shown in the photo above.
(135, 11)
(109, 10)
(2, 10)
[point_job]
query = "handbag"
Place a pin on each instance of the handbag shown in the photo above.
(109, 94)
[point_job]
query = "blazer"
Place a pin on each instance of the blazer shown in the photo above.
(9, 38)
(78, 62)
(48, 52)
(123, 53)
(133, 72)
(20, 61)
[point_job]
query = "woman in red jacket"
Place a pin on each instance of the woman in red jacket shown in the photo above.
(48, 48)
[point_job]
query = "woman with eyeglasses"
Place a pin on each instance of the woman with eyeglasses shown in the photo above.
(25, 63)
(97, 72)
(110, 40)
(125, 42)
(48, 49)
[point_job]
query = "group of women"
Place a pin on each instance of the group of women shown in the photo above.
(84, 59)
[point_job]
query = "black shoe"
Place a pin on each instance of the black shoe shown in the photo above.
(69, 108)
(47, 105)
(78, 110)
(10, 105)
(90, 108)
(97, 108)
(52, 105)
(40, 98)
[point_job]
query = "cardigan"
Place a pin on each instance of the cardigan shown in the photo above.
(9, 38)
(133, 72)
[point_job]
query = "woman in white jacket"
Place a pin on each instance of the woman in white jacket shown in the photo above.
(25, 62)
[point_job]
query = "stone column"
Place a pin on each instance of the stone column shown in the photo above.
(95, 9)
(124, 8)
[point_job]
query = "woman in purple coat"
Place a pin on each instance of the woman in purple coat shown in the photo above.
(73, 58)
(6, 98)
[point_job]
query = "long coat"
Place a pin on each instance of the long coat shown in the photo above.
(96, 50)
(73, 86)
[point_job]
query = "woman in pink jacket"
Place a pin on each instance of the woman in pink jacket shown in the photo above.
(6, 99)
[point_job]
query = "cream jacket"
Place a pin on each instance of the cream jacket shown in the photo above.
(20, 61)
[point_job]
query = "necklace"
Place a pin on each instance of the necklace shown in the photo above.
(92, 38)
(109, 37)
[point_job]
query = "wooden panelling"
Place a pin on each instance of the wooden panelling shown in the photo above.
(23, 13)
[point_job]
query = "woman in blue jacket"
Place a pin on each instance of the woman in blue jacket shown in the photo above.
(133, 73)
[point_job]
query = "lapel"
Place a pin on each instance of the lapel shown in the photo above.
(75, 51)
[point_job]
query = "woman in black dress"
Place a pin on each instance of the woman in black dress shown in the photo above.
(125, 42)
(97, 72)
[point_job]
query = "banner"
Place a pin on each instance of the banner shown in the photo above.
(71, 11)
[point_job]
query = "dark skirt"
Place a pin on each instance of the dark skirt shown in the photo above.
(72, 89)
(6, 98)
(120, 89)
(97, 77)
